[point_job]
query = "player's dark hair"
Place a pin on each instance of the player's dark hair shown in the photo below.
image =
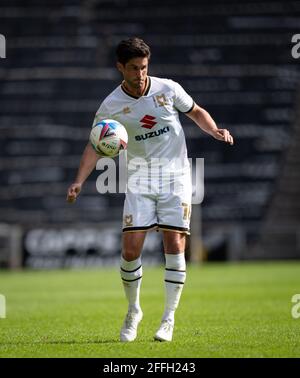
(132, 48)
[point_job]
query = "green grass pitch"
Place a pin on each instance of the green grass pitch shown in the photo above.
(226, 310)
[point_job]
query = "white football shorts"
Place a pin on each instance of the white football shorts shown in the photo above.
(166, 210)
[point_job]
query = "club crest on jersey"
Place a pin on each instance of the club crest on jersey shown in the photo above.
(160, 100)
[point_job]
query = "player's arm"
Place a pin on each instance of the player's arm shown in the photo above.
(202, 118)
(87, 164)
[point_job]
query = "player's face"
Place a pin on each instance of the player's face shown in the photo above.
(135, 73)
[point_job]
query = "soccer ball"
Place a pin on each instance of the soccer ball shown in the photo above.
(108, 137)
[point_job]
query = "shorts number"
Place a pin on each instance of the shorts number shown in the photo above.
(186, 211)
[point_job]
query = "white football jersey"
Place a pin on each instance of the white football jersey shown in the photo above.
(152, 121)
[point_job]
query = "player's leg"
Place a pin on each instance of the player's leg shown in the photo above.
(131, 274)
(138, 217)
(175, 274)
(131, 267)
(174, 210)
(175, 271)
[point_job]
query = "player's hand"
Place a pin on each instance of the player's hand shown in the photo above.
(223, 135)
(73, 192)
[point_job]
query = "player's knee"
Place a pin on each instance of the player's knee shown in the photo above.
(174, 242)
(129, 254)
(131, 249)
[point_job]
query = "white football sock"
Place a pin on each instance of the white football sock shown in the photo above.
(175, 275)
(131, 274)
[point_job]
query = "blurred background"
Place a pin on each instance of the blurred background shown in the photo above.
(234, 58)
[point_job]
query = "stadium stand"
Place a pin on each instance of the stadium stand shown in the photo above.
(233, 57)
